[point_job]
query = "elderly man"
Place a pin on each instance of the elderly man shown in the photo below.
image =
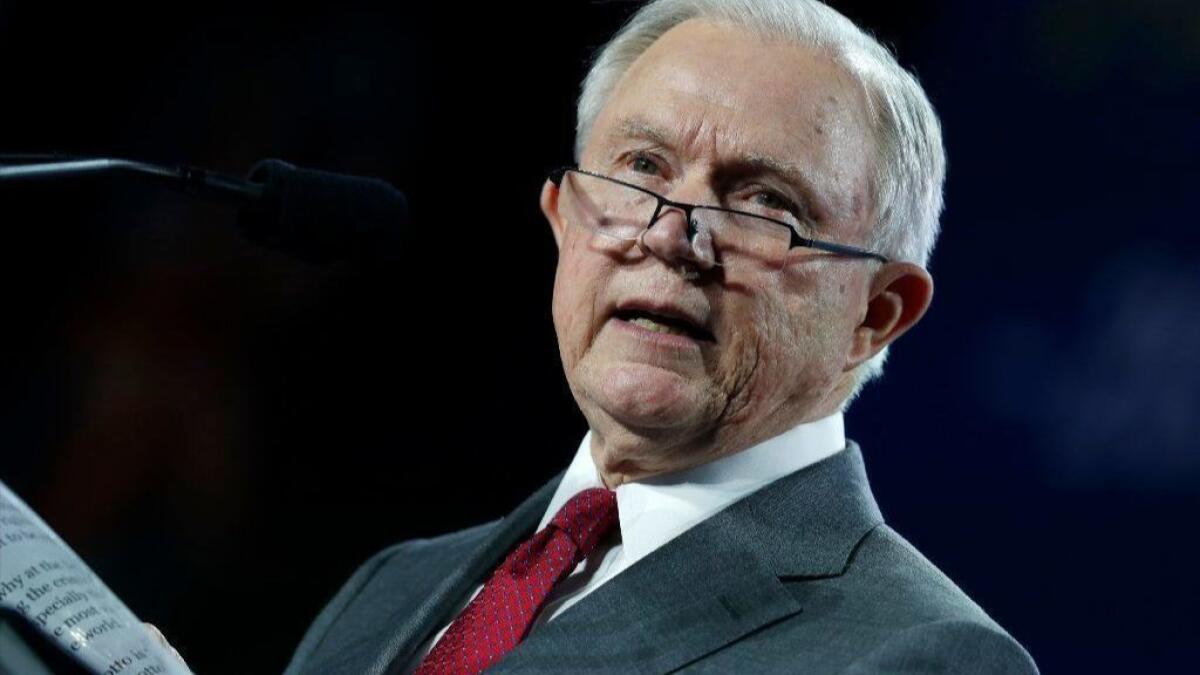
(757, 193)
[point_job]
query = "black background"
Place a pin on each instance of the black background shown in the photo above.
(224, 433)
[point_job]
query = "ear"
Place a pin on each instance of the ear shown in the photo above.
(549, 204)
(899, 294)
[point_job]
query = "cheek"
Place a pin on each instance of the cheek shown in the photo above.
(786, 334)
(576, 285)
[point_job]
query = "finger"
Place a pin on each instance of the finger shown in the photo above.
(162, 640)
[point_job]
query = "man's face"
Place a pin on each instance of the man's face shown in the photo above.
(709, 111)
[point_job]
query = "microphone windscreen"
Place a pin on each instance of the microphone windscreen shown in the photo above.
(320, 216)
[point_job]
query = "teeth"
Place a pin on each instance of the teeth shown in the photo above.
(650, 324)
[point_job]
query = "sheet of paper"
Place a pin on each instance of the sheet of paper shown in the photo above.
(43, 579)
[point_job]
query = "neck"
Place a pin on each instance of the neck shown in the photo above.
(622, 454)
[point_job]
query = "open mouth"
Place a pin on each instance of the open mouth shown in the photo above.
(670, 325)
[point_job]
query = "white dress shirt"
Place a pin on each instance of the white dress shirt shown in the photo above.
(655, 510)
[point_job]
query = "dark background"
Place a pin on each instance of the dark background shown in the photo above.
(224, 433)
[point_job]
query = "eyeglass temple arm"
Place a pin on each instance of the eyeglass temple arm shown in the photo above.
(851, 251)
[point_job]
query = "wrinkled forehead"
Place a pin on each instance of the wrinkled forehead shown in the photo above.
(718, 92)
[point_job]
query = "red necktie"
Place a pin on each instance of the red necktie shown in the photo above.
(500, 615)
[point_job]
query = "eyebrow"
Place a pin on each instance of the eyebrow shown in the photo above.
(636, 127)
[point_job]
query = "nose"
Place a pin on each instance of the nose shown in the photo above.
(667, 239)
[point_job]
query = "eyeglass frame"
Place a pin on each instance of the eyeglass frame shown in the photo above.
(797, 241)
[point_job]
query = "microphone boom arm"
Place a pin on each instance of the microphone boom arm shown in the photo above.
(317, 216)
(189, 179)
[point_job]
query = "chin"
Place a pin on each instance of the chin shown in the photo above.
(648, 397)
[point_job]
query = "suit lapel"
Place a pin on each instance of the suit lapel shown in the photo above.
(714, 584)
(414, 626)
(655, 616)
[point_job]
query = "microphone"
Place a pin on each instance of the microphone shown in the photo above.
(321, 216)
(317, 216)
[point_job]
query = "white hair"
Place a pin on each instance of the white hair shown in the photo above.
(906, 186)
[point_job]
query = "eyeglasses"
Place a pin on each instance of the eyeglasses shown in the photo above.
(624, 212)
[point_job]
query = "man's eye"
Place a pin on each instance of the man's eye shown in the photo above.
(643, 164)
(773, 201)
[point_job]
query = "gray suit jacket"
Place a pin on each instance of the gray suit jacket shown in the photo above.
(802, 576)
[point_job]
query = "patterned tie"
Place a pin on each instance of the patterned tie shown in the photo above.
(500, 614)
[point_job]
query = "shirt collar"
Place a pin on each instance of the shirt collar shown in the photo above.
(655, 510)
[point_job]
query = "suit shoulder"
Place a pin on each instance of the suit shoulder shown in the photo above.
(409, 557)
(888, 563)
(402, 553)
(453, 541)
(397, 576)
(950, 646)
(889, 610)
(928, 613)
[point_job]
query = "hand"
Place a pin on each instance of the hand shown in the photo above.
(162, 640)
